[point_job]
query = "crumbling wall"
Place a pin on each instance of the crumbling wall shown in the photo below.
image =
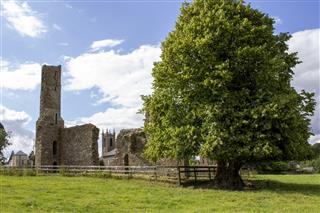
(79, 145)
(130, 146)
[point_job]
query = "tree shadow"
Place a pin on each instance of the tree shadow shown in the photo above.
(263, 185)
(284, 188)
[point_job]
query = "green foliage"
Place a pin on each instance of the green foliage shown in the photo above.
(315, 163)
(273, 167)
(316, 150)
(4, 142)
(222, 89)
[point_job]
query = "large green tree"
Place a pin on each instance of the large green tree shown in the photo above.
(222, 90)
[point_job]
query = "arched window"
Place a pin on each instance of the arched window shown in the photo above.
(110, 142)
(54, 147)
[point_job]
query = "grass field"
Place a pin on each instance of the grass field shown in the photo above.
(275, 193)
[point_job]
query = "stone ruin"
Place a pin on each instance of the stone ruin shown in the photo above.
(126, 150)
(56, 144)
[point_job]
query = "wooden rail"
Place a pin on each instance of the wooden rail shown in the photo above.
(195, 170)
(165, 173)
(177, 174)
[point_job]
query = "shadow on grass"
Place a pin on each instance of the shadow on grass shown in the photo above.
(281, 187)
(263, 185)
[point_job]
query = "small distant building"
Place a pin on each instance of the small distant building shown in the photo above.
(19, 159)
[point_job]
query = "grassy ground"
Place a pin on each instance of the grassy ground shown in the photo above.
(275, 193)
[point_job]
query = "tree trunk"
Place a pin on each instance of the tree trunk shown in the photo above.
(228, 176)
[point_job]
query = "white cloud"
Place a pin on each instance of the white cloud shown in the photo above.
(21, 17)
(57, 27)
(113, 118)
(120, 79)
(315, 139)
(20, 77)
(307, 74)
(97, 45)
(15, 123)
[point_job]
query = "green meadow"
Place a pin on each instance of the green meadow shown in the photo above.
(273, 193)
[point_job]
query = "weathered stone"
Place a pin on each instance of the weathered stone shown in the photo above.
(128, 151)
(56, 145)
(79, 145)
(130, 144)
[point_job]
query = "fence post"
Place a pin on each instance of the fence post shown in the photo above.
(209, 173)
(195, 174)
(155, 172)
(179, 177)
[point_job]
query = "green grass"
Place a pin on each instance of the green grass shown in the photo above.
(275, 193)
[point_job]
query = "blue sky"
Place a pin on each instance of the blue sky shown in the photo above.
(106, 49)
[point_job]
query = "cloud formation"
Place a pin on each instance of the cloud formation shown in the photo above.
(307, 73)
(15, 123)
(24, 76)
(20, 17)
(98, 45)
(120, 78)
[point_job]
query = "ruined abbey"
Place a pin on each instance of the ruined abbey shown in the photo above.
(56, 144)
(78, 145)
(124, 150)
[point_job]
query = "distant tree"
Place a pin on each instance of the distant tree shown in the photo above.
(222, 90)
(4, 142)
(316, 149)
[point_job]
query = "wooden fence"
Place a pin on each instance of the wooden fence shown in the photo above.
(171, 174)
(202, 172)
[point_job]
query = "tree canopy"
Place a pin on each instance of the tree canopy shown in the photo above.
(222, 90)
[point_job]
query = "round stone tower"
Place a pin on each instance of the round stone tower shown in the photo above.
(49, 124)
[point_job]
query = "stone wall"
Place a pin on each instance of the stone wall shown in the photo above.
(46, 135)
(49, 123)
(79, 145)
(130, 146)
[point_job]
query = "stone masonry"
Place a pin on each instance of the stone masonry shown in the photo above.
(55, 144)
(130, 146)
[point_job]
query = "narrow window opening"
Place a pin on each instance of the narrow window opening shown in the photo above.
(54, 148)
(110, 142)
